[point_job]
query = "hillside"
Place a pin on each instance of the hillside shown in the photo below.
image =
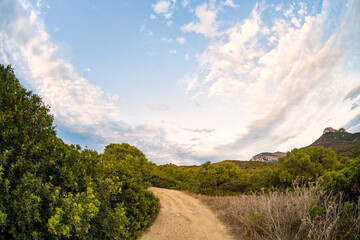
(267, 157)
(341, 141)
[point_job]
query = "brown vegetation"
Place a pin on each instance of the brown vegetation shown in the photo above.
(304, 213)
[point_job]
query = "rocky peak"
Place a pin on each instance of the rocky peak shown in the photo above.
(342, 130)
(332, 130)
(268, 157)
(329, 130)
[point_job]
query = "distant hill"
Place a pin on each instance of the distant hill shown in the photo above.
(267, 157)
(341, 141)
(336, 138)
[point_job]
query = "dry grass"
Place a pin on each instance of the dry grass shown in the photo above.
(296, 214)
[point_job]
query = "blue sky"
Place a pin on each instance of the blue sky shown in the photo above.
(189, 81)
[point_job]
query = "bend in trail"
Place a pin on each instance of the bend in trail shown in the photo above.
(183, 217)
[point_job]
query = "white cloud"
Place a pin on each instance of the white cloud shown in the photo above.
(152, 16)
(303, 9)
(181, 40)
(165, 8)
(229, 3)
(279, 7)
(235, 54)
(207, 23)
(172, 51)
(296, 22)
(161, 6)
(39, 3)
(167, 40)
(185, 3)
(289, 90)
(271, 87)
(290, 11)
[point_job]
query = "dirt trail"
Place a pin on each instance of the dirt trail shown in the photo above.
(183, 217)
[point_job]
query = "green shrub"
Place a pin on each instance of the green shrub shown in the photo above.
(346, 180)
(307, 164)
(50, 190)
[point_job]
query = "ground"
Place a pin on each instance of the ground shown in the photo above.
(184, 217)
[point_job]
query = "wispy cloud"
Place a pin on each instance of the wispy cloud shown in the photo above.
(229, 3)
(185, 3)
(287, 79)
(167, 40)
(181, 40)
(259, 87)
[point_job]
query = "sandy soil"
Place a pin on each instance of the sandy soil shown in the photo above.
(183, 217)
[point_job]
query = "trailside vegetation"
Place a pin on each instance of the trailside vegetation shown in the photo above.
(310, 193)
(231, 177)
(50, 190)
(299, 213)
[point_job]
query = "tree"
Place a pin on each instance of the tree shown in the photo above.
(50, 190)
(28, 158)
(307, 163)
(223, 176)
(346, 180)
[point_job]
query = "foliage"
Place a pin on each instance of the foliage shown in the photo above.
(50, 190)
(220, 177)
(173, 177)
(307, 164)
(231, 177)
(346, 180)
(134, 157)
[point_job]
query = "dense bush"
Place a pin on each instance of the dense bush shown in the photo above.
(307, 163)
(220, 178)
(229, 178)
(346, 180)
(50, 190)
(173, 177)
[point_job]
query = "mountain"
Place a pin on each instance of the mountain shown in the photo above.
(341, 141)
(268, 157)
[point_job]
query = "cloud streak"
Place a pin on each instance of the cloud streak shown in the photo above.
(287, 78)
(261, 86)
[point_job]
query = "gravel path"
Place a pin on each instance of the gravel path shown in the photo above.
(183, 217)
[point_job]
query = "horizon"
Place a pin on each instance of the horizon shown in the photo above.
(189, 81)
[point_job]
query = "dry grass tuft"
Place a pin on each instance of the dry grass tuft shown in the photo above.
(303, 213)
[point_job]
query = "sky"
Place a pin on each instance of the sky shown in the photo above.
(189, 81)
